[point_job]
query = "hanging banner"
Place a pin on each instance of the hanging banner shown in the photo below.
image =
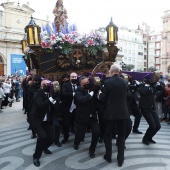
(18, 66)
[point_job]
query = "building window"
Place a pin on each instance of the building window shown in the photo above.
(144, 57)
(125, 43)
(157, 61)
(144, 64)
(144, 35)
(144, 42)
(129, 52)
(140, 53)
(140, 46)
(125, 50)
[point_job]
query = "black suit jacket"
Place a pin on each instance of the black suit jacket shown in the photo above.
(67, 96)
(85, 105)
(147, 97)
(40, 107)
(115, 92)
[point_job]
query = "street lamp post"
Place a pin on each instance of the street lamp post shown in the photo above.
(112, 38)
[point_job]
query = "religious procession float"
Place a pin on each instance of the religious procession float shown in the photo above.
(54, 50)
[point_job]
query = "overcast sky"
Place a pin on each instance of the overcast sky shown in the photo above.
(92, 14)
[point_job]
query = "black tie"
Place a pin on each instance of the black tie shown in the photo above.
(47, 95)
(74, 88)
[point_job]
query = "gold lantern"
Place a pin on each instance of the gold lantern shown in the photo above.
(112, 38)
(24, 43)
(33, 34)
(112, 30)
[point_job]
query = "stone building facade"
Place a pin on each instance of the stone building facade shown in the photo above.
(165, 57)
(13, 19)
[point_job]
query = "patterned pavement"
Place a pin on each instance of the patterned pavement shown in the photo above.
(16, 149)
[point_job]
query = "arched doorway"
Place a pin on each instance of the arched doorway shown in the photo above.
(1, 66)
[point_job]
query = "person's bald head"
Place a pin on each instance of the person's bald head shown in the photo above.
(44, 83)
(73, 76)
(114, 69)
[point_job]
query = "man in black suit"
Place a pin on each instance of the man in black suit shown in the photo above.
(86, 115)
(133, 104)
(116, 112)
(147, 92)
(31, 91)
(68, 105)
(39, 120)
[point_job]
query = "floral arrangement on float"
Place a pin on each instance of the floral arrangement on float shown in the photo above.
(63, 44)
(67, 38)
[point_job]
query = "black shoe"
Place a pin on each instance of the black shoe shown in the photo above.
(36, 162)
(58, 144)
(100, 140)
(76, 147)
(47, 151)
(137, 131)
(146, 142)
(120, 164)
(33, 136)
(64, 141)
(92, 154)
(107, 159)
(152, 141)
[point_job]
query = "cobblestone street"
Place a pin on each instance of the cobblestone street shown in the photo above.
(16, 149)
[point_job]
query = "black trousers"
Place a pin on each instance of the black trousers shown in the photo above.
(101, 124)
(153, 121)
(121, 131)
(56, 125)
(17, 94)
(45, 133)
(137, 114)
(128, 128)
(68, 120)
(6, 99)
(81, 130)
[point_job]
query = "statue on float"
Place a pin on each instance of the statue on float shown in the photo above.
(60, 15)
